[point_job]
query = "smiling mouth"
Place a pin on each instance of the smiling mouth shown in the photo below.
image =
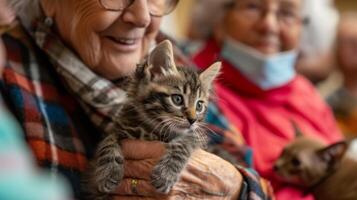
(126, 45)
(124, 41)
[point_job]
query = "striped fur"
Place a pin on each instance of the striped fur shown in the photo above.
(165, 103)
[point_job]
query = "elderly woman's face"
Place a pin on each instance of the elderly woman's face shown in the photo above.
(111, 43)
(270, 26)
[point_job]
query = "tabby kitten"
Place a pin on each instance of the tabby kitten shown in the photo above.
(321, 170)
(165, 103)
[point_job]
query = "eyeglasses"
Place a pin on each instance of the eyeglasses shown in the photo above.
(254, 10)
(157, 8)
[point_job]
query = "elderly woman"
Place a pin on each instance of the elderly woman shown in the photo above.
(262, 96)
(107, 39)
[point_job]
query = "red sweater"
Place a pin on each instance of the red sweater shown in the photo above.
(264, 117)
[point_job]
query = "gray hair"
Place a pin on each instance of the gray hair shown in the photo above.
(26, 10)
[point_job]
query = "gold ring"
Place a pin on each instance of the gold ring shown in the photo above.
(134, 184)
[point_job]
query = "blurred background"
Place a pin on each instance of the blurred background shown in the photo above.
(177, 24)
(317, 47)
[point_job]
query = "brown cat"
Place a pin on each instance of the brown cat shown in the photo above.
(323, 171)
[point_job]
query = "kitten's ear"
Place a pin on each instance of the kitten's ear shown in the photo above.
(161, 60)
(333, 153)
(208, 76)
(297, 130)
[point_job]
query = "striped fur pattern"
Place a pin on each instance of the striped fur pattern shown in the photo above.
(165, 103)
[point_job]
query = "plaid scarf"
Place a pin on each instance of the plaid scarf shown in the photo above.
(59, 135)
(100, 98)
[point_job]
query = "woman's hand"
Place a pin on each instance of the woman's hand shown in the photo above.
(206, 176)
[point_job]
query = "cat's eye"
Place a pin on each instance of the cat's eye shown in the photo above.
(177, 99)
(199, 106)
(296, 162)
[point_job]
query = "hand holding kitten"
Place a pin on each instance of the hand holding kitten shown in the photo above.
(206, 176)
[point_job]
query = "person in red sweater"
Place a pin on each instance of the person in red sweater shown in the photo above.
(259, 91)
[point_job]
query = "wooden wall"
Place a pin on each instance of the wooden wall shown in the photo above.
(346, 5)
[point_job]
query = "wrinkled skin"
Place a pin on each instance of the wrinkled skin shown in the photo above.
(89, 29)
(205, 177)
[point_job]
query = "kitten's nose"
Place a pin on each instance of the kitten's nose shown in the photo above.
(191, 120)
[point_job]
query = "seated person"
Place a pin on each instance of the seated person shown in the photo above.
(109, 40)
(259, 92)
(344, 100)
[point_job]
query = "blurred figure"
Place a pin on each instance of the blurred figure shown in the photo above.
(316, 56)
(19, 178)
(202, 23)
(344, 100)
(7, 16)
(259, 91)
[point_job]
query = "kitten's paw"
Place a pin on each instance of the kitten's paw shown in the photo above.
(109, 176)
(163, 179)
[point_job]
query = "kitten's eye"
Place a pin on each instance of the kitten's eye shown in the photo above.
(296, 162)
(199, 106)
(177, 99)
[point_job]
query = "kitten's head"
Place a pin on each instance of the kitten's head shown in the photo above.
(305, 161)
(172, 97)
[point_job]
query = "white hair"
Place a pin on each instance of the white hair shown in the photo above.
(26, 10)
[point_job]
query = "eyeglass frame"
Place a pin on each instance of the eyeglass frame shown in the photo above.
(131, 3)
(265, 11)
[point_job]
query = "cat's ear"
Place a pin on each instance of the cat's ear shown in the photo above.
(207, 76)
(297, 131)
(333, 153)
(161, 60)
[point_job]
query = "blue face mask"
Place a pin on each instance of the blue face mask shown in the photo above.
(267, 72)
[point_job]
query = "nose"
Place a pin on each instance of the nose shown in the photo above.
(138, 14)
(269, 23)
(191, 120)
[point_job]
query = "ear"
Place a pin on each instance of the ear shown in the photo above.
(161, 60)
(207, 76)
(297, 130)
(333, 153)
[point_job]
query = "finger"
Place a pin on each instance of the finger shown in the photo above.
(136, 187)
(140, 169)
(138, 149)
